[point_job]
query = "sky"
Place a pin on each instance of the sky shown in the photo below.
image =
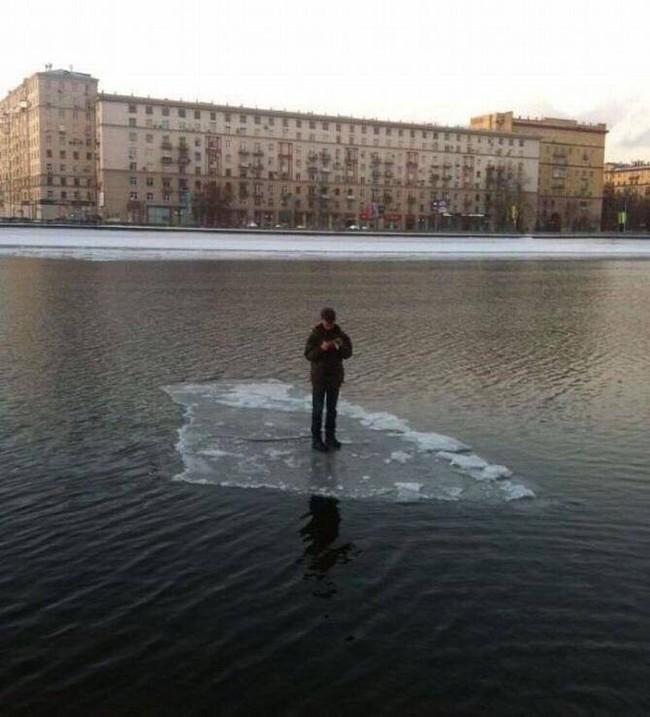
(413, 60)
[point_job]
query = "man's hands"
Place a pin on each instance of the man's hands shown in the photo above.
(329, 345)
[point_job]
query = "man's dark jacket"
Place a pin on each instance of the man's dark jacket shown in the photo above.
(327, 365)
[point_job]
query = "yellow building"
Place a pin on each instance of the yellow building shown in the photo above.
(176, 162)
(628, 178)
(571, 168)
(47, 148)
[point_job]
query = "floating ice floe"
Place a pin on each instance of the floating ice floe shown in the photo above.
(255, 434)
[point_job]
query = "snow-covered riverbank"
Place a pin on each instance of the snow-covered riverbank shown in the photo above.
(91, 243)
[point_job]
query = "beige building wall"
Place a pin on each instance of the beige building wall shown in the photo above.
(47, 152)
(157, 158)
(571, 168)
(629, 178)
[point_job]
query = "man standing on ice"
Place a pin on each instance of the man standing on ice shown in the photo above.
(327, 347)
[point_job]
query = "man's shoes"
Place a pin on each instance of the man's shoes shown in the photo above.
(318, 445)
(332, 443)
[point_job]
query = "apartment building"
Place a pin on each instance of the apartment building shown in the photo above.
(628, 179)
(47, 148)
(165, 162)
(69, 153)
(571, 165)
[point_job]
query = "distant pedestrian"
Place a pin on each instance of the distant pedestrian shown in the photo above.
(327, 346)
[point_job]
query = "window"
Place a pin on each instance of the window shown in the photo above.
(133, 196)
(132, 122)
(150, 196)
(133, 181)
(181, 112)
(149, 181)
(148, 110)
(165, 111)
(133, 136)
(133, 109)
(213, 116)
(62, 154)
(197, 114)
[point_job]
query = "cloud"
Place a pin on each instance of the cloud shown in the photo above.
(628, 122)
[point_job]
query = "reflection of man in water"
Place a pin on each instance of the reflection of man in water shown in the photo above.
(327, 347)
(321, 532)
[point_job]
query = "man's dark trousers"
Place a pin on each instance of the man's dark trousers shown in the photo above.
(325, 394)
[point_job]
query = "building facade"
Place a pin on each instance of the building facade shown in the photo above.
(165, 162)
(626, 204)
(68, 153)
(47, 148)
(571, 165)
(628, 179)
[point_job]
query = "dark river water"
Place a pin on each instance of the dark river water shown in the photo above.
(129, 588)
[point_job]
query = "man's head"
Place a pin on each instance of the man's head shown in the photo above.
(328, 317)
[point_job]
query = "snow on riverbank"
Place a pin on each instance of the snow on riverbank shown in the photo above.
(106, 244)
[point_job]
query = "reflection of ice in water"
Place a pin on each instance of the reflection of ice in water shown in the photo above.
(256, 434)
